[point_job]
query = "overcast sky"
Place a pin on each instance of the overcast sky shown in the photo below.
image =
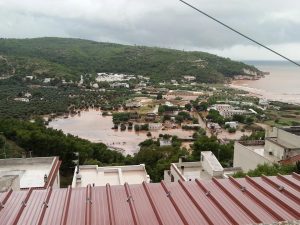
(163, 23)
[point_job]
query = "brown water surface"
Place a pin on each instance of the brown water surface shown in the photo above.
(91, 125)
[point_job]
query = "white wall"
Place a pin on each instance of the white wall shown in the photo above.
(277, 150)
(289, 137)
(246, 158)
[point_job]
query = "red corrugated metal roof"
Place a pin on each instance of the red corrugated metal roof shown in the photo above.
(223, 201)
(291, 160)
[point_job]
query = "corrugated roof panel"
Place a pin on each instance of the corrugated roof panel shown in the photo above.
(231, 207)
(33, 208)
(280, 193)
(220, 202)
(145, 212)
(11, 208)
(212, 212)
(167, 211)
(76, 212)
(274, 208)
(245, 202)
(55, 207)
(287, 180)
(121, 206)
(100, 213)
(190, 213)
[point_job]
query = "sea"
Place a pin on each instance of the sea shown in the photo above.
(282, 84)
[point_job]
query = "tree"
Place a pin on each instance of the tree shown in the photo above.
(268, 170)
(159, 96)
(2, 141)
(188, 107)
(215, 116)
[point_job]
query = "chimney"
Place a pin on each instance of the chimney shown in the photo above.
(180, 160)
(45, 178)
(182, 169)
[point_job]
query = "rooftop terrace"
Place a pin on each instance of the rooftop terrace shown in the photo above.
(31, 171)
(114, 175)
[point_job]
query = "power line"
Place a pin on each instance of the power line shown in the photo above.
(243, 35)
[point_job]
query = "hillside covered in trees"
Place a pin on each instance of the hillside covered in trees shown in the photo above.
(69, 58)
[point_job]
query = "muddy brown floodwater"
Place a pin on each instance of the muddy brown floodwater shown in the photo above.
(91, 125)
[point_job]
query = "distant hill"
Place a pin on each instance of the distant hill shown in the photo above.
(69, 58)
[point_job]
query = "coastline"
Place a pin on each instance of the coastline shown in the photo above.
(271, 96)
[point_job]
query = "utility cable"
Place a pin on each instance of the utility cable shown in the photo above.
(241, 34)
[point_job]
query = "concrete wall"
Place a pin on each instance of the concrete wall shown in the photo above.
(246, 158)
(8, 182)
(208, 167)
(289, 137)
(176, 173)
(277, 150)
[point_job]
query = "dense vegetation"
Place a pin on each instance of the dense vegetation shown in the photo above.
(224, 152)
(157, 158)
(53, 99)
(69, 58)
(270, 170)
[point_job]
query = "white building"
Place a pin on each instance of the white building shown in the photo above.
(263, 102)
(113, 175)
(29, 77)
(231, 112)
(155, 126)
(165, 142)
(27, 95)
(207, 168)
(47, 80)
(189, 78)
(279, 144)
(227, 110)
(117, 85)
(21, 99)
(24, 173)
(232, 124)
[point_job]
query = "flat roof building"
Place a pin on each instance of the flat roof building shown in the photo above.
(113, 175)
(24, 173)
(207, 168)
(279, 145)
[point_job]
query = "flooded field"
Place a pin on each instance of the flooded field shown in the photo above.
(91, 125)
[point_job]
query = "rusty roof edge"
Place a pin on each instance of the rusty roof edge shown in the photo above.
(281, 189)
(53, 172)
(296, 176)
(23, 205)
(110, 205)
(254, 198)
(130, 201)
(7, 195)
(178, 172)
(238, 202)
(198, 206)
(288, 182)
(44, 206)
(152, 203)
(279, 202)
(163, 184)
(217, 203)
(66, 206)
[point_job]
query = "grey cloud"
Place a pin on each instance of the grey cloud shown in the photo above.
(166, 23)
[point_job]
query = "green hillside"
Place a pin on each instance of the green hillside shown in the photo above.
(69, 58)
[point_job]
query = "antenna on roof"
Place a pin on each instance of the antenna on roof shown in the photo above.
(239, 33)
